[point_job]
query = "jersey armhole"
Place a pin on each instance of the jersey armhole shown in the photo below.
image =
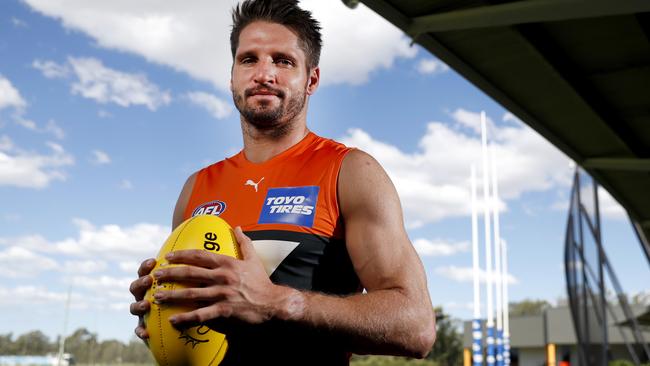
(336, 211)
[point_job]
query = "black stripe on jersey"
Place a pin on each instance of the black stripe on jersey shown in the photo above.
(317, 264)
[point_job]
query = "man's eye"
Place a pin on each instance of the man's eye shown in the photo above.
(247, 60)
(284, 61)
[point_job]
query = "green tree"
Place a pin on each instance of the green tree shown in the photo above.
(7, 344)
(109, 352)
(33, 343)
(448, 348)
(82, 344)
(528, 307)
(137, 352)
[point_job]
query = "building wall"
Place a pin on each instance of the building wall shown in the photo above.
(532, 356)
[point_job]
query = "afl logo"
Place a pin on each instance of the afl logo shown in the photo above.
(210, 208)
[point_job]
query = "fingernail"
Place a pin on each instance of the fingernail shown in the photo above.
(150, 262)
(157, 295)
(169, 255)
(173, 319)
(157, 274)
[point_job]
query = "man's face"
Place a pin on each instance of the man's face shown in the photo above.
(270, 82)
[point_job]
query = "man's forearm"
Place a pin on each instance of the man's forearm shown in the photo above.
(380, 322)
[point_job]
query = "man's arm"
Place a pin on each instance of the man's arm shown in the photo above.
(395, 316)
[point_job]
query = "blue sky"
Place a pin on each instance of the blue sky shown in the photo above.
(106, 108)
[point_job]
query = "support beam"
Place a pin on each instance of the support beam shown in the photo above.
(627, 164)
(525, 11)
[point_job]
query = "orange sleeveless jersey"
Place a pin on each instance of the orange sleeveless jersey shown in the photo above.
(240, 187)
(288, 206)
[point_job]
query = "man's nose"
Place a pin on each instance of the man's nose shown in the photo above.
(264, 72)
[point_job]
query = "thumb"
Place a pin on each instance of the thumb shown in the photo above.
(245, 244)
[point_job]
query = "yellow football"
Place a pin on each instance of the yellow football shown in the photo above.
(198, 345)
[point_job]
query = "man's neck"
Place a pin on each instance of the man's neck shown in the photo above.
(260, 147)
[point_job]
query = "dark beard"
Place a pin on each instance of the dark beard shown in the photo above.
(274, 122)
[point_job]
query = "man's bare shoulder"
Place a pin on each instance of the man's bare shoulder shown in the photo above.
(183, 200)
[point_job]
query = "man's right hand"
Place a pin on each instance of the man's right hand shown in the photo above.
(139, 288)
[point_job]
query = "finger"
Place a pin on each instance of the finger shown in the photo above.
(193, 295)
(146, 267)
(140, 286)
(198, 258)
(201, 315)
(141, 332)
(245, 244)
(140, 307)
(194, 275)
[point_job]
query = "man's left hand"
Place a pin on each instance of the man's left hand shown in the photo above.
(226, 287)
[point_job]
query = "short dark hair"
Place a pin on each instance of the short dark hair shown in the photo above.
(284, 12)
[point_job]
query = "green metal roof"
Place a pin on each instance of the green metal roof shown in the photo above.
(576, 71)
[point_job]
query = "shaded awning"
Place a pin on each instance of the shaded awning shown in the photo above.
(576, 71)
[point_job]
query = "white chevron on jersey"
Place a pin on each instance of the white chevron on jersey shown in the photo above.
(273, 252)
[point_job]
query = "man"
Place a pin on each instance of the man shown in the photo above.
(325, 221)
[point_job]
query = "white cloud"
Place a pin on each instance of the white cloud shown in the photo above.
(472, 120)
(84, 266)
(30, 242)
(608, 206)
(217, 107)
(431, 66)
(356, 42)
(98, 82)
(100, 157)
(87, 262)
(112, 242)
(509, 117)
(125, 184)
(438, 248)
(433, 182)
(114, 287)
(21, 262)
(51, 127)
(105, 85)
(453, 305)
(54, 129)
(10, 96)
(129, 266)
(21, 295)
(51, 69)
(5, 143)
(18, 23)
(466, 274)
(32, 170)
(195, 39)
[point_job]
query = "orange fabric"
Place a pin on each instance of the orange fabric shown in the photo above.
(314, 161)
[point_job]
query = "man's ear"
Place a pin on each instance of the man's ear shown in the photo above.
(231, 70)
(314, 80)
